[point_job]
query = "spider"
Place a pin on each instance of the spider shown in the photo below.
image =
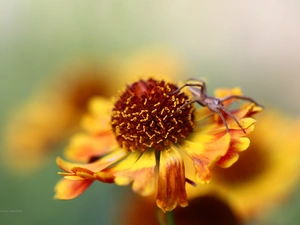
(213, 103)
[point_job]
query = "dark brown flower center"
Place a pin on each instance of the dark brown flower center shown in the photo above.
(146, 116)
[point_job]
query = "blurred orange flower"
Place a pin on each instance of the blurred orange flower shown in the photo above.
(142, 140)
(265, 174)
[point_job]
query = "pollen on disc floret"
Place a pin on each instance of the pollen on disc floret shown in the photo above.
(146, 116)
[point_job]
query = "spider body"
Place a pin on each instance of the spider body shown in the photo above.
(214, 104)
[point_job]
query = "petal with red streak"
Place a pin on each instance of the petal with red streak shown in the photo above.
(205, 150)
(171, 181)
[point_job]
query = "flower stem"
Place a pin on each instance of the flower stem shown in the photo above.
(170, 218)
(165, 218)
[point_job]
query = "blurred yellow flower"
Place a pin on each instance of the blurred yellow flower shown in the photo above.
(156, 60)
(142, 140)
(265, 174)
(52, 114)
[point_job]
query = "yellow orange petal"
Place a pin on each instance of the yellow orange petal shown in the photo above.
(67, 176)
(69, 189)
(229, 159)
(238, 143)
(83, 147)
(140, 173)
(83, 172)
(95, 166)
(126, 164)
(244, 122)
(171, 181)
(247, 110)
(205, 153)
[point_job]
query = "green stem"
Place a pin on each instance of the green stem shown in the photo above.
(165, 218)
(170, 218)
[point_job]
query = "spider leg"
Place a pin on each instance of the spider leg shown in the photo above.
(240, 97)
(185, 104)
(220, 114)
(190, 182)
(186, 85)
(233, 117)
(199, 80)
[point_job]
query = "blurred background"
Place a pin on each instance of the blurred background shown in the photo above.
(46, 45)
